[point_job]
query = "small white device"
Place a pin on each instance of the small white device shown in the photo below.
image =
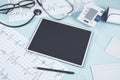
(91, 15)
(112, 15)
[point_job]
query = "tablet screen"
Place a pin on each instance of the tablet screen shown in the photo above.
(63, 42)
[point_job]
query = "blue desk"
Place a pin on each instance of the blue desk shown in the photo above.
(103, 33)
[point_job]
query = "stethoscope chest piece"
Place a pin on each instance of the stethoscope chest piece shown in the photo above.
(37, 12)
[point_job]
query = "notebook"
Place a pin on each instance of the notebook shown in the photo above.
(61, 42)
(106, 72)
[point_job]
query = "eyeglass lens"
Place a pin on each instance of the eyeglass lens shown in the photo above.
(27, 3)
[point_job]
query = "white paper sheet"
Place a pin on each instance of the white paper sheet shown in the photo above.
(113, 47)
(106, 72)
(17, 64)
(55, 7)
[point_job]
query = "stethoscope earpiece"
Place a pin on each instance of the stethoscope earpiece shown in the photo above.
(37, 12)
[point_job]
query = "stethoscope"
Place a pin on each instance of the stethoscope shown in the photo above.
(37, 12)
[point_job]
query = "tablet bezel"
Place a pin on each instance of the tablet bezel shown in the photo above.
(54, 58)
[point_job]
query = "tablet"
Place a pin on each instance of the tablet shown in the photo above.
(61, 42)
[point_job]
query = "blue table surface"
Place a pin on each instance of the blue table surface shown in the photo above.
(102, 34)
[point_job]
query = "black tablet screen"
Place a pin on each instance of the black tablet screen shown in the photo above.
(60, 41)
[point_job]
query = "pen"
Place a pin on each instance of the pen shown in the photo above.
(54, 70)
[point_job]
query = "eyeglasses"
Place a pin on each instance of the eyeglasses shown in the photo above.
(6, 8)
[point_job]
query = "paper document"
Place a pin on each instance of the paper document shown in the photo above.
(113, 47)
(54, 7)
(106, 72)
(17, 64)
(19, 13)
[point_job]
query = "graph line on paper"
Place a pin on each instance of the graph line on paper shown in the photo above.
(17, 64)
(53, 6)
